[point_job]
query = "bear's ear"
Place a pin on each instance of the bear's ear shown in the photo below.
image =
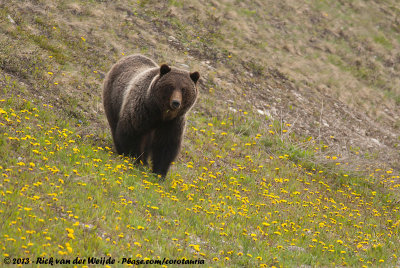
(195, 76)
(164, 69)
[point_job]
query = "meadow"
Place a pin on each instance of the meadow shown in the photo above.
(249, 189)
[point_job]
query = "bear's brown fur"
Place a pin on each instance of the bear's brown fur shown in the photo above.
(145, 105)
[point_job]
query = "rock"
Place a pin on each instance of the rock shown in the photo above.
(172, 39)
(295, 248)
(10, 19)
(183, 66)
(375, 141)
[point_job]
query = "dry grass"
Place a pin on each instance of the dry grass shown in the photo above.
(291, 153)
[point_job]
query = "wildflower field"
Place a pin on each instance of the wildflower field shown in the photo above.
(247, 190)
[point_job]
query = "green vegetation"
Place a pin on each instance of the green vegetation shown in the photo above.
(64, 195)
(247, 190)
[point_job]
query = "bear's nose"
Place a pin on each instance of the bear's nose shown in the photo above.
(175, 104)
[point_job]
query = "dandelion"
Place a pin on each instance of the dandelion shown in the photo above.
(195, 247)
(70, 233)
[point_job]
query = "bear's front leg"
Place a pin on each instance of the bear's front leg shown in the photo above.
(128, 142)
(166, 144)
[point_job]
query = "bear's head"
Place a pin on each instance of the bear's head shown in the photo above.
(174, 91)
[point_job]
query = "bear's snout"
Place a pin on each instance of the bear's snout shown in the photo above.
(176, 99)
(175, 104)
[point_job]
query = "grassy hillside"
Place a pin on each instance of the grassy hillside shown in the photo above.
(290, 155)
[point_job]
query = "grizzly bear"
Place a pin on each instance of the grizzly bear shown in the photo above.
(145, 105)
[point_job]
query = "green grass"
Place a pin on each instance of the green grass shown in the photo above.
(65, 196)
(380, 39)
